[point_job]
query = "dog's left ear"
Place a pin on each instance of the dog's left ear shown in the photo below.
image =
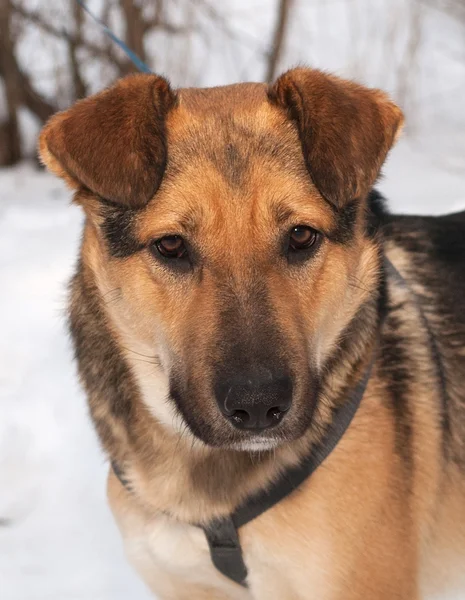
(113, 143)
(345, 129)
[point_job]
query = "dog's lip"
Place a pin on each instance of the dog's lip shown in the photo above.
(255, 444)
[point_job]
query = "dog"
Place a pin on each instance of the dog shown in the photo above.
(258, 336)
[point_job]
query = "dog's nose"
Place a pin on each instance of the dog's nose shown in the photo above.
(255, 401)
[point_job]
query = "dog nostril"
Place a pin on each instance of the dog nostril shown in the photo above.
(240, 418)
(275, 414)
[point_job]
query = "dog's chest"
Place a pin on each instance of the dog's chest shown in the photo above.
(173, 557)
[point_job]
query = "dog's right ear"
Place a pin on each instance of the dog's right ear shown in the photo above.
(113, 143)
(345, 129)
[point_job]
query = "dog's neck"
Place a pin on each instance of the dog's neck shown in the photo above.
(167, 468)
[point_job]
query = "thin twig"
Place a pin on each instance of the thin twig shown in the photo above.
(277, 46)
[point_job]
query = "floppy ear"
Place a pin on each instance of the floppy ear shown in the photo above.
(346, 130)
(112, 143)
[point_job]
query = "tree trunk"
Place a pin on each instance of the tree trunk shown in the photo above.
(135, 30)
(10, 134)
(79, 85)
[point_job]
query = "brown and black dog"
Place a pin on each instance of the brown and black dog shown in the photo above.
(237, 275)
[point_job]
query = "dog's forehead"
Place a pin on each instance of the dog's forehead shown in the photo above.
(224, 99)
(230, 127)
(224, 111)
(231, 152)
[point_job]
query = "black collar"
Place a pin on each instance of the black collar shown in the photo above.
(222, 535)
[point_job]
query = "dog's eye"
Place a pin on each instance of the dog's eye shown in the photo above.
(302, 238)
(171, 246)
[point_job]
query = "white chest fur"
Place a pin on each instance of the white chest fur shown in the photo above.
(174, 560)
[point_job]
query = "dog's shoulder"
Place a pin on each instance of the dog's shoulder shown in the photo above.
(429, 252)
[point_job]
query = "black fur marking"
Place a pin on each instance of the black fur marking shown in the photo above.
(230, 160)
(435, 355)
(118, 228)
(105, 375)
(346, 219)
(395, 369)
(119, 472)
(436, 248)
(233, 149)
(377, 213)
(346, 216)
(105, 430)
(181, 396)
(235, 165)
(383, 298)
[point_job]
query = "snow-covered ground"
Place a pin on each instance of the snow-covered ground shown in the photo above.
(57, 538)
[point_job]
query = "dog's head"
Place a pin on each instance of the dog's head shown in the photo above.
(231, 222)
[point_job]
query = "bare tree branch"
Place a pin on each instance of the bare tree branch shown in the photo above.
(76, 40)
(277, 46)
(224, 27)
(36, 103)
(135, 30)
(18, 88)
(89, 55)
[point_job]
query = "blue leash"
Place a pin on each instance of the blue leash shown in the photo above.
(140, 64)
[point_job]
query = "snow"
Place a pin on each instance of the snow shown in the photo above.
(58, 540)
(57, 537)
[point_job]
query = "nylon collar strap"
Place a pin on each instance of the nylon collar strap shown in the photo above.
(222, 534)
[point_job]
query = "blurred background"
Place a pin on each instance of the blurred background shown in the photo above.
(57, 538)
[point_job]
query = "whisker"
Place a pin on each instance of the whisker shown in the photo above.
(155, 362)
(359, 287)
(117, 296)
(181, 434)
(153, 357)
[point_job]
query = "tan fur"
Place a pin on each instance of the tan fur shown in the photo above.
(232, 170)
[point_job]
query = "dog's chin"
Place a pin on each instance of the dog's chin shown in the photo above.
(256, 445)
(224, 437)
(251, 443)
